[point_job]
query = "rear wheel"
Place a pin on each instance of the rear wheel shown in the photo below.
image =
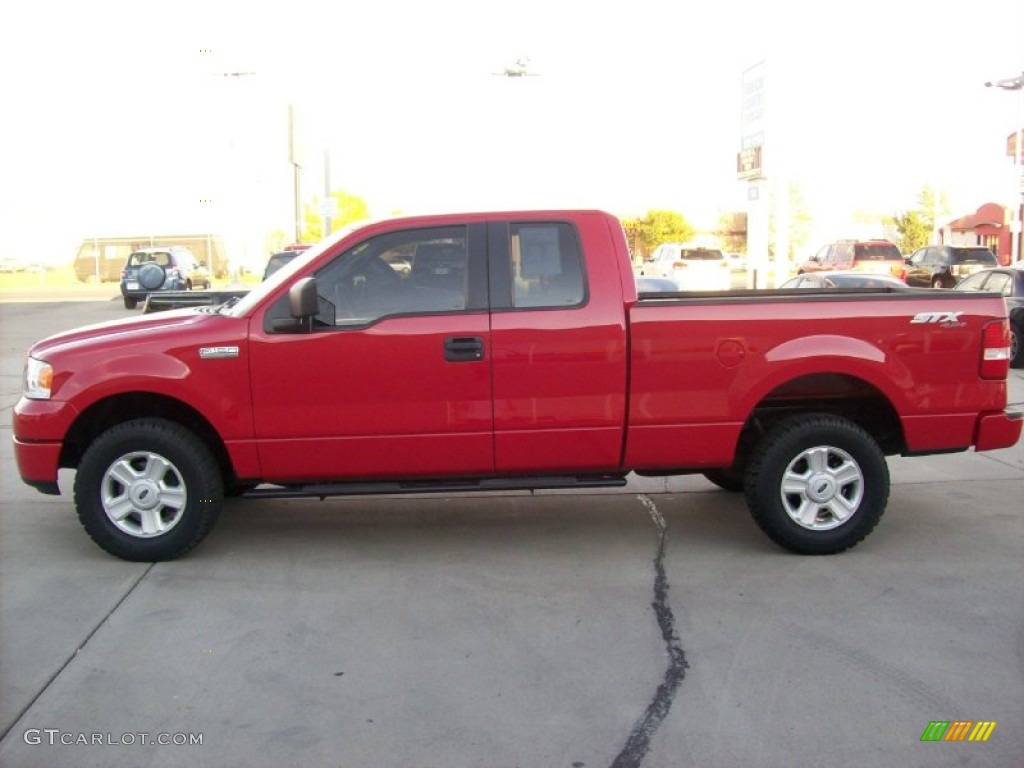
(937, 283)
(817, 484)
(1016, 354)
(728, 479)
(148, 490)
(130, 303)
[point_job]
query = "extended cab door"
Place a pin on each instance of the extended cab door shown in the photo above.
(558, 341)
(394, 379)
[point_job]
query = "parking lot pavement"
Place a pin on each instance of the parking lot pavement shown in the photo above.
(653, 626)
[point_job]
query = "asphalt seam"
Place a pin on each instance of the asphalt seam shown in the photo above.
(639, 741)
(57, 673)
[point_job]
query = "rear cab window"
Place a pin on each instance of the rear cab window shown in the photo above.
(546, 266)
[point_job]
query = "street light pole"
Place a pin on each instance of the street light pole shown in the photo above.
(1015, 84)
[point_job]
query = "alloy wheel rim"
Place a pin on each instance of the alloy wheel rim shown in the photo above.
(822, 488)
(143, 494)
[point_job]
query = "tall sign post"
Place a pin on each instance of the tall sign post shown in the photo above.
(1015, 84)
(750, 168)
(295, 148)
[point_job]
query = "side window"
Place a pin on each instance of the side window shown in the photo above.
(919, 257)
(842, 254)
(999, 282)
(397, 273)
(546, 266)
(973, 283)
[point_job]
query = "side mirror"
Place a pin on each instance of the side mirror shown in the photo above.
(303, 301)
(303, 304)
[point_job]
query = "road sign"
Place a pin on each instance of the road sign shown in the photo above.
(748, 163)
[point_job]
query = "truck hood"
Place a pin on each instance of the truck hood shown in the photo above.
(182, 322)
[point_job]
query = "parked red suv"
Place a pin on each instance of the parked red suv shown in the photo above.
(880, 256)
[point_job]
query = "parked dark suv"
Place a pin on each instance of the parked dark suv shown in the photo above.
(167, 268)
(943, 266)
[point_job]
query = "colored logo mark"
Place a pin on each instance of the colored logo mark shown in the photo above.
(958, 730)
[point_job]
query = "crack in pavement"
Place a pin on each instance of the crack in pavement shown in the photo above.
(639, 741)
(81, 646)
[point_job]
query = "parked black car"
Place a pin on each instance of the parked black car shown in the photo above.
(845, 279)
(943, 266)
(1008, 281)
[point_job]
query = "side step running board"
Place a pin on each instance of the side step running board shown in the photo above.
(323, 490)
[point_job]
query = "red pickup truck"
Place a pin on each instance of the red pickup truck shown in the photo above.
(506, 350)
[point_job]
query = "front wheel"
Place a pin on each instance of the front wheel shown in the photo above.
(817, 484)
(148, 490)
(937, 283)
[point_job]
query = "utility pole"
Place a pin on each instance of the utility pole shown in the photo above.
(1015, 84)
(295, 158)
(328, 200)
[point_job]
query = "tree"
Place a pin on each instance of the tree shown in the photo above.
(915, 231)
(732, 231)
(349, 208)
(915, 227)
(788, 217)
(656, 227)
(932, 205)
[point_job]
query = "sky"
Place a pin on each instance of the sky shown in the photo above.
(119, 119)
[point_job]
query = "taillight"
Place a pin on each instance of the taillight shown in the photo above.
(995, 350)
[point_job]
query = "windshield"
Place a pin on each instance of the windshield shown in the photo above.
(701, 254)
(284, 275)
(973, 256)
(859, 281)
(880, 252)
(163, 258)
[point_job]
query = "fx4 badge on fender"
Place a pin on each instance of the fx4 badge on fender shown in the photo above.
(946, 319)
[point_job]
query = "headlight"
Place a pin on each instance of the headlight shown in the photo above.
(38, 379)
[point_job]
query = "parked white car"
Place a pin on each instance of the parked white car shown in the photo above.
(691, 267)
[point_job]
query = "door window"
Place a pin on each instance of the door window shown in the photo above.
(399, 273)
(546, 268)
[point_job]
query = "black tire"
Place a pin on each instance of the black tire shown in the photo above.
(130, 303)
(1016, 353)
(144, 474)
(728, 479)
(151, 276)
(838, 480)
(938, 283)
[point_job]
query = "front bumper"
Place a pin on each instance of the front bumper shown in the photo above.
(38, 428)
